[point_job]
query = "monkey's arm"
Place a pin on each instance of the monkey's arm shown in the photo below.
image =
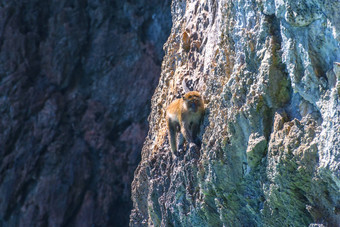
(187, 133)
(195, 130)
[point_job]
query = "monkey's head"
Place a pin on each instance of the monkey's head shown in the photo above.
(193, 101)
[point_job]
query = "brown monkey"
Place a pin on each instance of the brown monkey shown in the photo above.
(185, 115)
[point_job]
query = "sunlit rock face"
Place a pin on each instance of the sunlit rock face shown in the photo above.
(76, 79)
(269, 72)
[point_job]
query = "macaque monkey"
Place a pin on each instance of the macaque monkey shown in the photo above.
(185, 115)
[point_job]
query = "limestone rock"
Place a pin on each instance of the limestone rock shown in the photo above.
(256, 149)
(270, 152)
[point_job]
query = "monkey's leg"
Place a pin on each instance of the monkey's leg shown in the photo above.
(180, 142)
(172, 126)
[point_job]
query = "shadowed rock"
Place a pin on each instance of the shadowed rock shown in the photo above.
(76, 78)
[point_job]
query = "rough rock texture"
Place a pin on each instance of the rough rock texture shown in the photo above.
(76, 79)
(270, 154)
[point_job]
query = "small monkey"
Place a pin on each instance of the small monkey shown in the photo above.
(185, 115)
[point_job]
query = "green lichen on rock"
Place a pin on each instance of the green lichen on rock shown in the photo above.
(256, 149)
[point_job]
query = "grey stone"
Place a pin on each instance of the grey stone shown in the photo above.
(270, 153)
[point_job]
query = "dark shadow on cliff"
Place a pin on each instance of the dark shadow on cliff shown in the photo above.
(76, 79)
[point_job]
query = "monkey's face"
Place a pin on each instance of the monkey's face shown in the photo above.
(192, 101)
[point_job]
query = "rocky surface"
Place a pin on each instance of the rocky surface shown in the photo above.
(270, 155)
(76, 79)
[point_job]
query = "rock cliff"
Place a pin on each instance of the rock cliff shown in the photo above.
(76, 79)
(270, 156)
